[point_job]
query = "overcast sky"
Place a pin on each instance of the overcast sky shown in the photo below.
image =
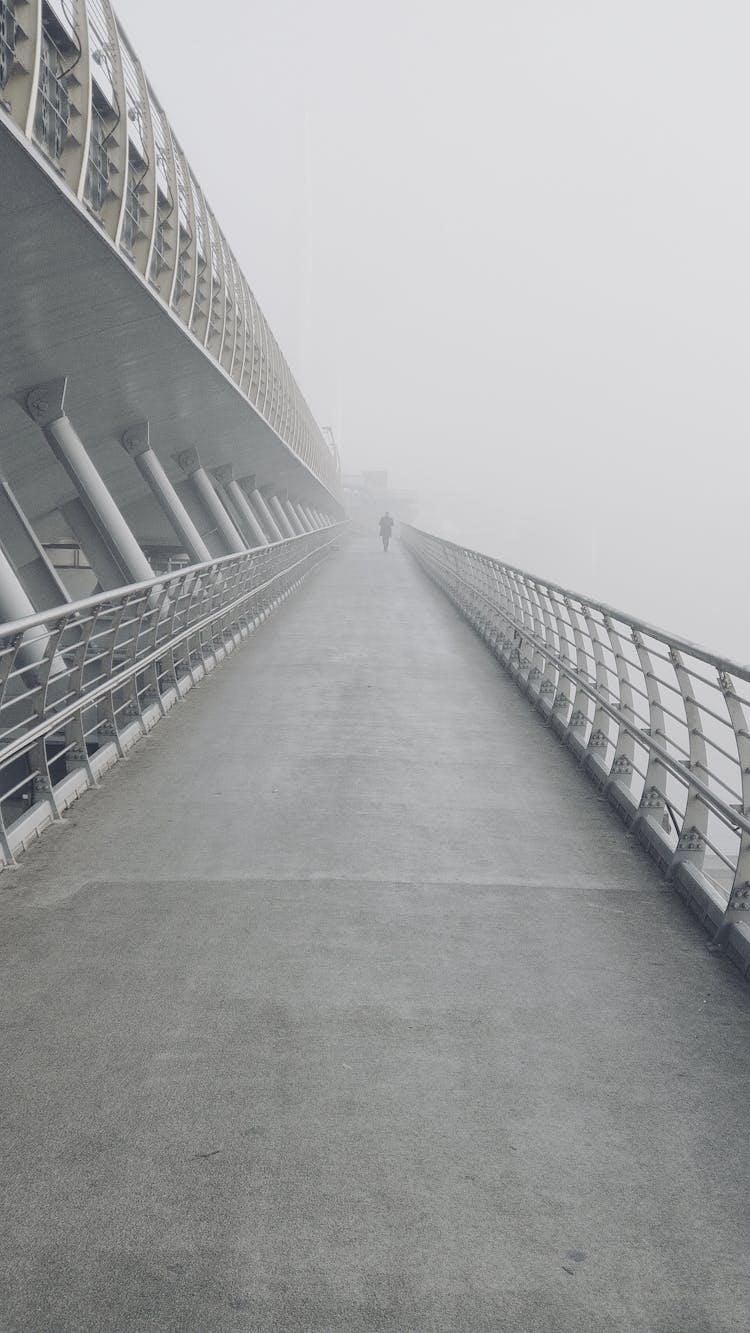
(503, 246)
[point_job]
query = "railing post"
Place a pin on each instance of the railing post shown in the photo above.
(580, 718)
(738, 907)
(620, 780)
(562, 704)
(605, 678)
(652, 810)
(595, 758)
(691, 843)
(539, 660)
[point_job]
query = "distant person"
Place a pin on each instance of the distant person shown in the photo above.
(386, 528)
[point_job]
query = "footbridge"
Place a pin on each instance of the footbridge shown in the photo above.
(372, 925)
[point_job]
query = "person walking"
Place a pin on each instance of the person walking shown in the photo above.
(386, 528)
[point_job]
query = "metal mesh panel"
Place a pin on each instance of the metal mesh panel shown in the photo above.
(97, 175)
(136, 98)
(182, 279)
(228, 277)
(7, 39)
(215, 310)
(66, 12)
(134, 212)
(52, 120)
(182, 193)
(200, 235)
(132, 227)
(162, 151)
(101, 45)
(160, 256)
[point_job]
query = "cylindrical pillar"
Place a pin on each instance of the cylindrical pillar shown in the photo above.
(312, 520)
(265, 516)
(281, 517)
(45, 405)
(15, 605)
(206, 492)
(302, 516)
(136, 443)
(243, 505)
(289, 510)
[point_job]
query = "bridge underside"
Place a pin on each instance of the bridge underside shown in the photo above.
(345, 1004)
(72, 307)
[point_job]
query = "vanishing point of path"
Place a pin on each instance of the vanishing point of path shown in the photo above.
(345, 1005)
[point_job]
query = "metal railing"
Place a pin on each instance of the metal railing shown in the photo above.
(80, 684)
(659, 723)
(76, 78)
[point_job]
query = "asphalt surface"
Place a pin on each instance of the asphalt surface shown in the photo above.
(345, 1005)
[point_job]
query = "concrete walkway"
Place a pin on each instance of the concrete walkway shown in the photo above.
(345, 1005)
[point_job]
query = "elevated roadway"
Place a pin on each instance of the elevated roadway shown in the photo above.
(119, 284)
(344, 1004)
(74, 306)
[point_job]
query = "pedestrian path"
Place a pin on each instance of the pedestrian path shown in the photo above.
(345, 1005)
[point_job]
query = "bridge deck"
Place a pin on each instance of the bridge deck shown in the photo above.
(347, 1006)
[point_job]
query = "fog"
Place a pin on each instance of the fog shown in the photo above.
(503, 246)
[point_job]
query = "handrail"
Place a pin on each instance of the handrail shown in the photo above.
(645, 627)
(567, 653)
(79, 684)
(46, 618)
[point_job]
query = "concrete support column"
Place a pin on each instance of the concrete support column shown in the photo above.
(263, 513)
(45, 405)
(14, 603)
(280, 516)
(302, 516)
(206, 492)
(312, 520)
(292, 516)
(27, 556)
(251, 527)
(136, 442)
